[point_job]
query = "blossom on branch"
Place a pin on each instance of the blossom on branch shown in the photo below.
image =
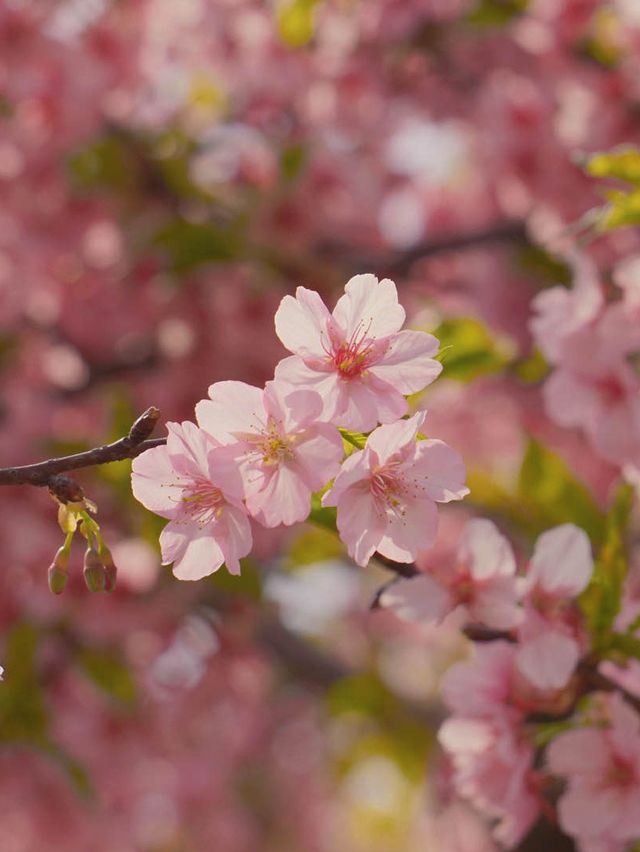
(190, 482)
(357, 358)
(482, 580)
(386, 494)
(282, 451)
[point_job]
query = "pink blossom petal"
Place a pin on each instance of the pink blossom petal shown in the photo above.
(409, 529)
(294, 372)
(420, 599)
(569, 399)
(369, 307)
(486, 551)
(359, 525)
(443, 469)
(408, 363)
(355, 468)
(582, 752)
(236, 539)
(235, 408)
(389, 439)
(361, 405)
(195, 556)
(495, 604)
(154, 482)
(318, 457)
(301, 323)
(548, 661)
(280, 497)
(562, 562)
(188, 447)
(589, 811)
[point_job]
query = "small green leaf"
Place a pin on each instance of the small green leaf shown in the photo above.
(469, 349)
(296, 22)
(324, 516)
(601, 600)
(356, 439)
(622, 163)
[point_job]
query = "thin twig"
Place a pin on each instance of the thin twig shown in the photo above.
(42, 473)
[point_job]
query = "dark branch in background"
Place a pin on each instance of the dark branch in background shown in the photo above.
(400, 263)
(49, 472)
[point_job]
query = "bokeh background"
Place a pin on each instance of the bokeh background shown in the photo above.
(169, 169)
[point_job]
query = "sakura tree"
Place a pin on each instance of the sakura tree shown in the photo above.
(370, 273)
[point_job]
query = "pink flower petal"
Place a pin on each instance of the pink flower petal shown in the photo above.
(154, 482)
(420, 599)
(443, 470)
(486, 551)
(412, 527)
(408, 363)
(562, 562)
(235, 408)
(548, 661)
(301, 323)
(359, 525)
(389, 439)
(369, 307)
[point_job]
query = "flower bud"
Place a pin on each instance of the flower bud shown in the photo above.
(58, 574)
(95, 576)
(110, 569)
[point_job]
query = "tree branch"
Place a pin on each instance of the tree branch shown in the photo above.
(44, 473)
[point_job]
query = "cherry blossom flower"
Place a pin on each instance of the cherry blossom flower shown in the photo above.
(189, 482)
(482, 581)
(550, 636)
(602, 765)
(283, 453)
(356, 358)
(492, 761)
(386, 494)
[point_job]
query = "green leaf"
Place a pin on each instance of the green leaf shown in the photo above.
(324, 516)
(546, 494)
(296, 22)
(622, 163)
(624, 644)
(356, 439)
(533, 369)
(471, 350)
(190, 244)
(314, 544)
(601, 600)
(496, 13)
(554, 496)
(107, 671)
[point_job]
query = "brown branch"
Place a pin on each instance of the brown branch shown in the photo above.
(400, 263)
(44, 472)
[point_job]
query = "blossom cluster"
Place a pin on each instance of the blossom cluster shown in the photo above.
(262, 454)
(590, 341)
(529, 673)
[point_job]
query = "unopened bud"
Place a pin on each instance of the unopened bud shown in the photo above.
(110, 569)
(58, 574)
(95, 577)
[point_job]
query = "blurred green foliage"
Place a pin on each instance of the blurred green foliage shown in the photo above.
(621, 164)
(496, 13)
(601, 601)
(546, 494)
(469, 349)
